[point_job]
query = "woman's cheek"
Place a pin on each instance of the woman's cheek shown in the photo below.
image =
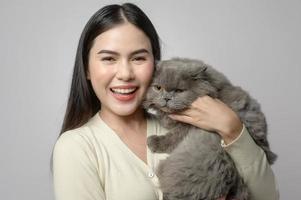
(147, 72)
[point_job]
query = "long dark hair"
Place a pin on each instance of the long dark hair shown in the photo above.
(82, 102)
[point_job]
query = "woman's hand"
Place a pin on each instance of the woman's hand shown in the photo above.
(212, 115)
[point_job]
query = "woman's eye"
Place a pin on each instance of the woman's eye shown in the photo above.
(108, 59)
(139, 59)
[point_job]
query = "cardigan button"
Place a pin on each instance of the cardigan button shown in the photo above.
(151, 174)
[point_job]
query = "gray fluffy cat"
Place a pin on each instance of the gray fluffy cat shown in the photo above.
(198, 167)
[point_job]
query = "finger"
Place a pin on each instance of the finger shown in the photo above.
(206, 98)
(181, 118)
(192, 112)
(219, 101)
(186, 112)
(201, 101)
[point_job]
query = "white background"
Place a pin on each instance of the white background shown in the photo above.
(256, 43)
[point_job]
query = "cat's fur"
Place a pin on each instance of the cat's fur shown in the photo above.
(198, 167)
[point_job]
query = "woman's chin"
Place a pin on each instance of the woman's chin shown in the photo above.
(127, 110)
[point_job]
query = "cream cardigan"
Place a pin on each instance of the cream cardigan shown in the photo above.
(92, 163)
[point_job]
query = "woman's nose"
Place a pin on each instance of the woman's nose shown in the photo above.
(125, 71)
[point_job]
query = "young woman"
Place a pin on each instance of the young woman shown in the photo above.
(102, 151)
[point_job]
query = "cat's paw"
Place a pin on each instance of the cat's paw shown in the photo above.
(154, 144)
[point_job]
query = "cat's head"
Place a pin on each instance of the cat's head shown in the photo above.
(177, 83)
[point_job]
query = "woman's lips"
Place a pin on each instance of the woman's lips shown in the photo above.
(124, 86)
(124, 93)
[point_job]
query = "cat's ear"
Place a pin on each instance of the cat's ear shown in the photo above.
(198, 72)
(158, 65)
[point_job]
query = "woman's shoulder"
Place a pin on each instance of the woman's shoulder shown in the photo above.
(74, 151)
(72, 136)
(72, 142)
(82, 137)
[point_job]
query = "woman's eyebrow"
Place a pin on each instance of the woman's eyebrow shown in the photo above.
(116, 53)
(139, 51)
(108, 51)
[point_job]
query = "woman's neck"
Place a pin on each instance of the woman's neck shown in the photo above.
(133, 123)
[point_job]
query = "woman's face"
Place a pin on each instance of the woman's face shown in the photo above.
(121, 65)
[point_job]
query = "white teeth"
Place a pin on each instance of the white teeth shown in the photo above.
(123, 91)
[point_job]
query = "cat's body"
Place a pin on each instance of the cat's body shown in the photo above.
(176, 84)
(200, 169)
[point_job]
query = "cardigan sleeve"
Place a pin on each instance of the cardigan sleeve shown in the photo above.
(253, 166)
(75, 170)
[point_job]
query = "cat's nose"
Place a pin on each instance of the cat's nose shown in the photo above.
(166, 99)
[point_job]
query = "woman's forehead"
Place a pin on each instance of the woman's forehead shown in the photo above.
(124, 37)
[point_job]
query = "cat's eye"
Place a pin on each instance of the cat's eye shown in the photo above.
(157, 87)
(178, 90)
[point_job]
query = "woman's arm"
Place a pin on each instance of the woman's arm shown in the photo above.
(213, 115)
(75, 170)
(253, 166)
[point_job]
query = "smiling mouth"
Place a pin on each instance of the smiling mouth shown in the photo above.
(123, 91)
